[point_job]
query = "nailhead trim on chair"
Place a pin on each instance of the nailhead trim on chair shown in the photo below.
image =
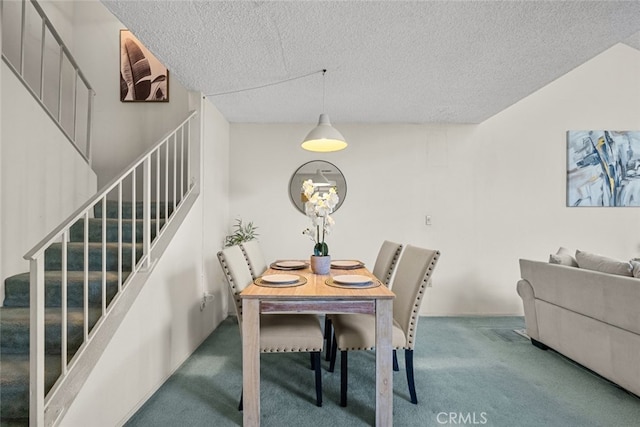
(246, 258)
(391, 269)
(414, 316)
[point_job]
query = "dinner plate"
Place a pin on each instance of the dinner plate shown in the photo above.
(352, 279)
(291, 264)
(346, 263)
(280, 278)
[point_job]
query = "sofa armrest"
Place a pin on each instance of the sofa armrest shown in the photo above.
(525, 290)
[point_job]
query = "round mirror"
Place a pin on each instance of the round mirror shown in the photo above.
(324, 176)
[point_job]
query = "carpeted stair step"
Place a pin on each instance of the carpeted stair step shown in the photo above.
(76, 233)
(17, 288)
(14, 329)
(127, 209)
(14, 385)
(75, 256)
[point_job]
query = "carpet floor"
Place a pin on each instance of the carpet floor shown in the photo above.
(468, 371)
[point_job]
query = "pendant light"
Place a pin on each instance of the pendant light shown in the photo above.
(324, 138)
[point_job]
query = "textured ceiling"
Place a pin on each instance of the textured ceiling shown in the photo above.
(388, 61)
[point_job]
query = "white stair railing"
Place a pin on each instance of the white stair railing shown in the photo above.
(163, 177)
(35, 52)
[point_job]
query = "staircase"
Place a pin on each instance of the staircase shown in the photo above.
(14, 316)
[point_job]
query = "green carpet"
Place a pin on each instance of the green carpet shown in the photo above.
(469, 371)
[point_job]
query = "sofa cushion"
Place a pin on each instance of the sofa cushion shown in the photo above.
(635, 263)
(563, 257)
(603, 264)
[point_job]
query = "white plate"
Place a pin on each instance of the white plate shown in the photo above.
(291, 264)
(352, 279)
(346, 263)
(280, 278)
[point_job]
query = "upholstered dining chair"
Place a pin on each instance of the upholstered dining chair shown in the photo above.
(357, 331)
(255, 258)
(279, 333)
(383, 269)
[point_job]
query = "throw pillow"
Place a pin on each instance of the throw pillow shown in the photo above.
(563, 257)
(595, 262)
(635, 263)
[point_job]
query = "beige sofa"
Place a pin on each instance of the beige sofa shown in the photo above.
(588, 316)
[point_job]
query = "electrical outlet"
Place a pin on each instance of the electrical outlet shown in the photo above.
(427, 220)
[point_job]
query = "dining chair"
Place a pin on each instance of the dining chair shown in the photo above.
(383, 269)
(255, 258)
(279, 333)
(358, 331)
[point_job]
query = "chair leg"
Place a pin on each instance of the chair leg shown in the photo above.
(343, 378)
(334, 350)
(395, 361)
(328, 334)
(313, 361)
(408, 361)
(316, 359)
(241, 397)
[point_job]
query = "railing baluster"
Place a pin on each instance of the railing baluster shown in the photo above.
(181, 163)
(175, 144)
(189, 180)
(166, 182)
(133, 220)
(42, 36)
(63, 302)
(104, 255)
(146, 211)
(86, 275)
(74, 97)
(60, 86)
(120, 232)
(90, 94)
(158, 192)
(22, 30)
(36, 341)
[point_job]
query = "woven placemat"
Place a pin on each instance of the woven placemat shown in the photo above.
(301, 281)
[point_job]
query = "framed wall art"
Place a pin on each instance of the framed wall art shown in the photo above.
(142, 77)
(603, 168)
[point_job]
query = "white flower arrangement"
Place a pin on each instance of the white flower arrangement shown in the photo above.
(317, 208)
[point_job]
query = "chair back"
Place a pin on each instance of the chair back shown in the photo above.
(254, 256)
(412, 276)
(235, 268)
(386, 261)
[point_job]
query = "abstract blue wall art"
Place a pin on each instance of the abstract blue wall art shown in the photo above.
(603, 168)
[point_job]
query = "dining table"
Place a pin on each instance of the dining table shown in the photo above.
(317, 294)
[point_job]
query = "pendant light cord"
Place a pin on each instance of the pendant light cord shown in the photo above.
(323, 88)
(276, 83)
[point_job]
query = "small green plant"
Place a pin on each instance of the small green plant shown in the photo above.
(241, 233)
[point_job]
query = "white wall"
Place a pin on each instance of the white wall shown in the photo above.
(165, 324)
(495, 191)
(44, 179)
(121, 131)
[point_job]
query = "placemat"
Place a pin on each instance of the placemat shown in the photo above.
(346, 264)
(301, 281)
(374, 284)
(275, 266)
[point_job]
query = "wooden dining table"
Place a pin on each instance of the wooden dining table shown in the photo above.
(318, 297)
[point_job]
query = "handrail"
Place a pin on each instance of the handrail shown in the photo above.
(64, 53)
(143, 173)
(39, 248)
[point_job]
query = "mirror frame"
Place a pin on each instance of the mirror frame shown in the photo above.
(306, 171)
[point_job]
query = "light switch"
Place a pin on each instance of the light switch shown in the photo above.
(427, 220)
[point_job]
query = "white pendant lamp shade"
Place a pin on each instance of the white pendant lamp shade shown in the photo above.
(324, 137)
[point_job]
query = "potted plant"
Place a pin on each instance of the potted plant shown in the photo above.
(241, 233)
(317, 208)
